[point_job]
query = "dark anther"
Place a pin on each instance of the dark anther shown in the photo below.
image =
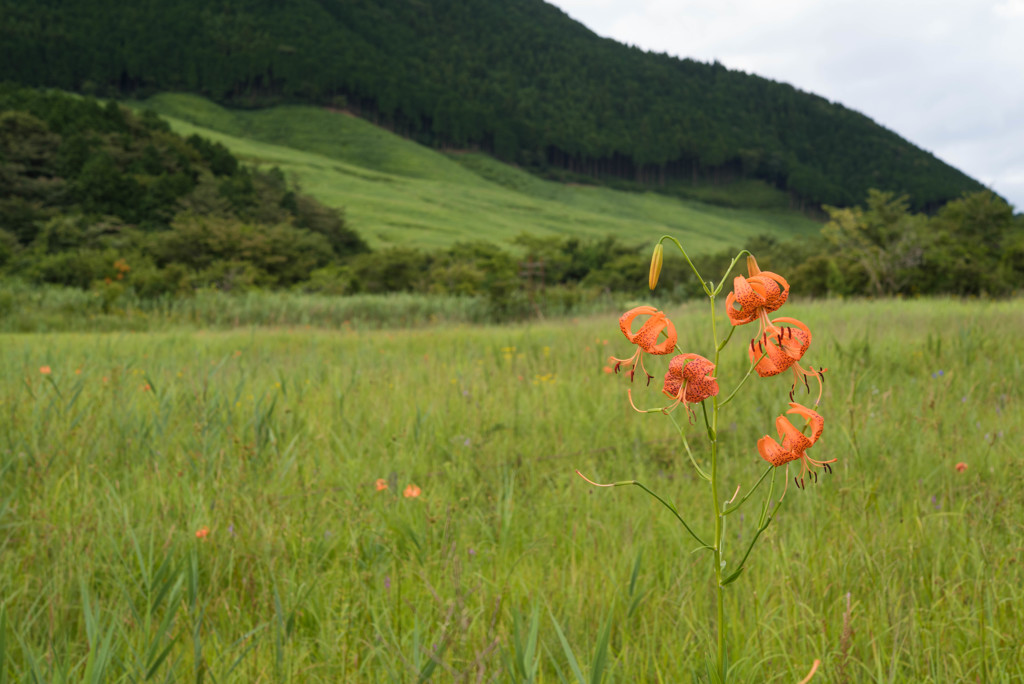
(821, 375)
(806, 385)
(752, 346)
(649, 378)
(618, 365)
(791, 395)
(815, 474)
(828, 468)
(632, 372)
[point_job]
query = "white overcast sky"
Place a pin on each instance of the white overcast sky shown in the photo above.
(947, 75)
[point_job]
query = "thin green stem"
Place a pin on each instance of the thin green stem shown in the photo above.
(703, 544)
(719, 517)
(672, 508)
(743, 381)
(732, 264)
(762, 528)
(682, 435)
(728, 337)
(768, 499)
(686, 256)
(712, 435)
(736, 506)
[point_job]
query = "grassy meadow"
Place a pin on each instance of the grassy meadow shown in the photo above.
(196, 505)
(396, 192)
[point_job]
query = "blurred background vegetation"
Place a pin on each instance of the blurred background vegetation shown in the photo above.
(110, 201)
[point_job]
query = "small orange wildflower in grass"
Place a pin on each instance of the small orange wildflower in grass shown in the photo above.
(795, 443)
(411, 492)
(381, 484)
(45, 370)
(203, 532)
(961, 467)
(646, 338)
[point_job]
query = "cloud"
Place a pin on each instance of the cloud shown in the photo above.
(1010, 8)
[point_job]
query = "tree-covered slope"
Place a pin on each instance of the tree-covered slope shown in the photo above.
(92, 195)
(516, 78)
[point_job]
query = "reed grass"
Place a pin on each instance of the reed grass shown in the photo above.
(898, 568)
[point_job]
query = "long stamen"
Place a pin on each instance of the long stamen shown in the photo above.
(642, 366)
(629, 393)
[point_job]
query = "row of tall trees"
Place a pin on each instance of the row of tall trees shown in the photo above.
(517, 78)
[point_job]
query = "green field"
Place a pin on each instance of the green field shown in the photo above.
(396, 192)
(898, 568)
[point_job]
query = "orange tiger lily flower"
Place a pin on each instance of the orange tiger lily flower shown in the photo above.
(795, 443)
(781, 348)
(689, 381)
(646, 338)
(757, 295)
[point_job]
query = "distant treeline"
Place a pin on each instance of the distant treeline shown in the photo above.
(518, 79)
(95, 197)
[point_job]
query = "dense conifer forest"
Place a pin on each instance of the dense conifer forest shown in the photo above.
(518, 79)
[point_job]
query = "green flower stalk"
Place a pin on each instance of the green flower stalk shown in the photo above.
(690, 380)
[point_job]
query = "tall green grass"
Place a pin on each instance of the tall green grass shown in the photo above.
(27, 307)
(396, 192)
(508, 567)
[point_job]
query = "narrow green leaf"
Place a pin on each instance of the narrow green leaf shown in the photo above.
(714, 676)
(573, 664)
(601, 653)
(3, 644)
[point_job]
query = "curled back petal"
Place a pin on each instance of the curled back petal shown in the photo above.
(647, 336)
(626, 319)
(772, 452)
(668, 344)
(798, 330)
(749, 302)
(737, 316)
(813, 418)
(775, 360)
(774, 295)
(792, 439)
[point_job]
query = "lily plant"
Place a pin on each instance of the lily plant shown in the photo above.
(690, 381)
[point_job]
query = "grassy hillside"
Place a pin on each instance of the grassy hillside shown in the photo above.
(395, 191)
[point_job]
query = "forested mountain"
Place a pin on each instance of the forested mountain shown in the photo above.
(516, 78)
